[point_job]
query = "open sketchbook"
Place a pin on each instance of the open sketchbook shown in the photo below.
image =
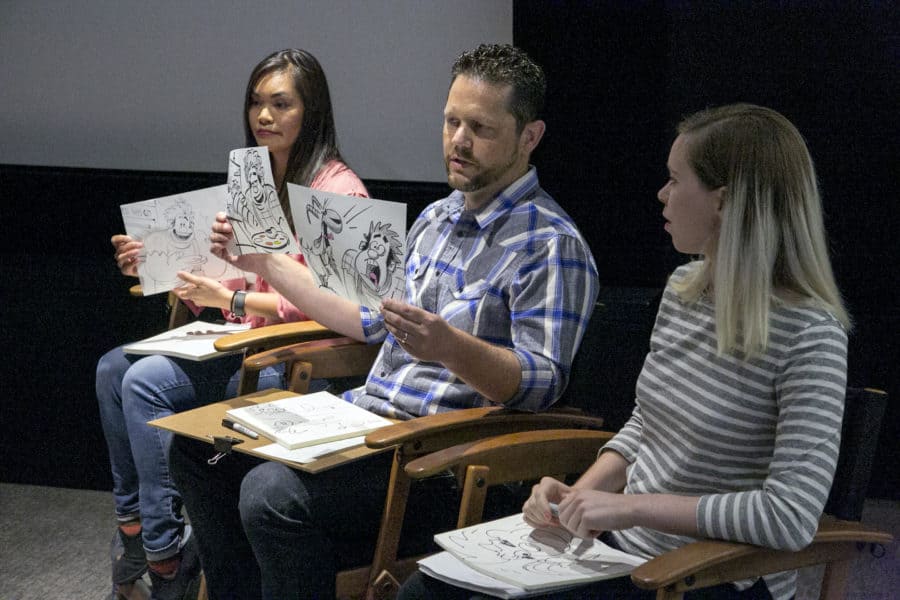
(519, 560)
(354, 246)
(306, 420)
(193, 341)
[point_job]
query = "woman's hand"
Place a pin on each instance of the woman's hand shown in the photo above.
(536, 510)
(203, 291)
(127, 253)
(588, 513)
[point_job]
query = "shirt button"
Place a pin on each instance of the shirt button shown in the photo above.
(383, 374)
(459, 234)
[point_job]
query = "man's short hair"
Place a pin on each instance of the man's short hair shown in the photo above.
(504, 64)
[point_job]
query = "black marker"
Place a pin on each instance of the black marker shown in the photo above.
(240, 429)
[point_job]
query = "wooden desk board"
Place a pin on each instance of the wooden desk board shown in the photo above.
(206, 421)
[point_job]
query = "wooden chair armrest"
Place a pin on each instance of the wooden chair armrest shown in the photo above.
(324, 358)
(436, 432)
(710, 562)
(271, 336)
(136, 290)
(518, 456)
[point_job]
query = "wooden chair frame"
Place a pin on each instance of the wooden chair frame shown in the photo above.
(529, 455)
(344, 357)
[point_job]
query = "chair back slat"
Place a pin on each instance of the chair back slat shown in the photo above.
(863, 413)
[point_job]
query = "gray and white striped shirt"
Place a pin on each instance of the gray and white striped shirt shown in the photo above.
(756, 439)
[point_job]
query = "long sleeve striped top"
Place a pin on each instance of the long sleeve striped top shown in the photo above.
(756, 439)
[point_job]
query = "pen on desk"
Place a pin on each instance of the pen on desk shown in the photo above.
(240, 429)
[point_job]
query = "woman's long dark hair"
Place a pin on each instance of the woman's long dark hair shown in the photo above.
(317, 142)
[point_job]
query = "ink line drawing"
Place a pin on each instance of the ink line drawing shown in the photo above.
(510, 550)
(253, 208)
(354, 246)
(306, 420)
(175, 233)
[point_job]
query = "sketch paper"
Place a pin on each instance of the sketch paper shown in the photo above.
(512, 551)
(306, 420)
(445, 567)
(175, 232)
(253, 208)
(354, 246)
(308, 454)
(193, 341)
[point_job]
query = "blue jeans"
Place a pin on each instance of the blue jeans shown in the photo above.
(132, 390)
(265, 530)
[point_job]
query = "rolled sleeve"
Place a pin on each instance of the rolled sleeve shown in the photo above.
(553, 297)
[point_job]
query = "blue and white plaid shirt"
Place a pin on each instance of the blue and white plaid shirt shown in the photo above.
(516, 273)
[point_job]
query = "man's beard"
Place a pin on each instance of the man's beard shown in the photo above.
(481, 179)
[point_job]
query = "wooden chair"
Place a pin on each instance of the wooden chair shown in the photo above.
(251, 341)
(343, 357)
(839, 541)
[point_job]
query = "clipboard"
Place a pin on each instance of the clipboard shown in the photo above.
(204, 422)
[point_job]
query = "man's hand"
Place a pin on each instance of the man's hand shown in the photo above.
(426, 336)
(128, 253)
(203, 291)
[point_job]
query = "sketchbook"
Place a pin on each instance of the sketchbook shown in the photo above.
(175, 233)
(521, 558)
(355, 247)
(193, 341)
(254, 209)
(306, 420)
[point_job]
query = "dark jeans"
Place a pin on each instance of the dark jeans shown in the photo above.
(423, 587)
(265, 530)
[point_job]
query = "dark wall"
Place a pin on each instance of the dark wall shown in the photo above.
(622, 74)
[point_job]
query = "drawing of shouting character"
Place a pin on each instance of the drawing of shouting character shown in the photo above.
(371, 268)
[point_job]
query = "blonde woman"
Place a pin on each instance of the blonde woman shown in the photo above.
(737, 423)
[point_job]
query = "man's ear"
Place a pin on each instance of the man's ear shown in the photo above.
(531, 135)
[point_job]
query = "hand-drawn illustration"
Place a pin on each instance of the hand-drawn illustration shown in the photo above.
(367, 236)
(253, 207)
(305, 420)
(175, 232)
(511, 550)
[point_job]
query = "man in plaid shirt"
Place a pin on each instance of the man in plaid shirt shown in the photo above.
(500, 285)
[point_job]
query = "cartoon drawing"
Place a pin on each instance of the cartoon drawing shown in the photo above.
(371, 269)
(175, 233)
(253, 207)
(354, 246)
(321, 249)
(511, 550)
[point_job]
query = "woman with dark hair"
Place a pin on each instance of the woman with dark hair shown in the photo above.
(287, 108)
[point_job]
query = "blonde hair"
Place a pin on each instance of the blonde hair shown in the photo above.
(771, 245)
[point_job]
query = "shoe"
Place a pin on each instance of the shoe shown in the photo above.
(129, 563)
(185, 584)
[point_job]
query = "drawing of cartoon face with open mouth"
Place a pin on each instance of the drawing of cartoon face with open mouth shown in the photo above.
(377, 258)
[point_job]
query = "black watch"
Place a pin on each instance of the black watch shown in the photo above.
(237, 303)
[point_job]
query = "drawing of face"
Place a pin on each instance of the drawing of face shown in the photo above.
(183, 227)
(377, 257)
(276, 114)
(482, 151)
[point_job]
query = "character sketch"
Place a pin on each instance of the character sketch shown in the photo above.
(321, 250)
(254, 209)
(175, 233)
(370, 269)
(512, 550)
(355, 247)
